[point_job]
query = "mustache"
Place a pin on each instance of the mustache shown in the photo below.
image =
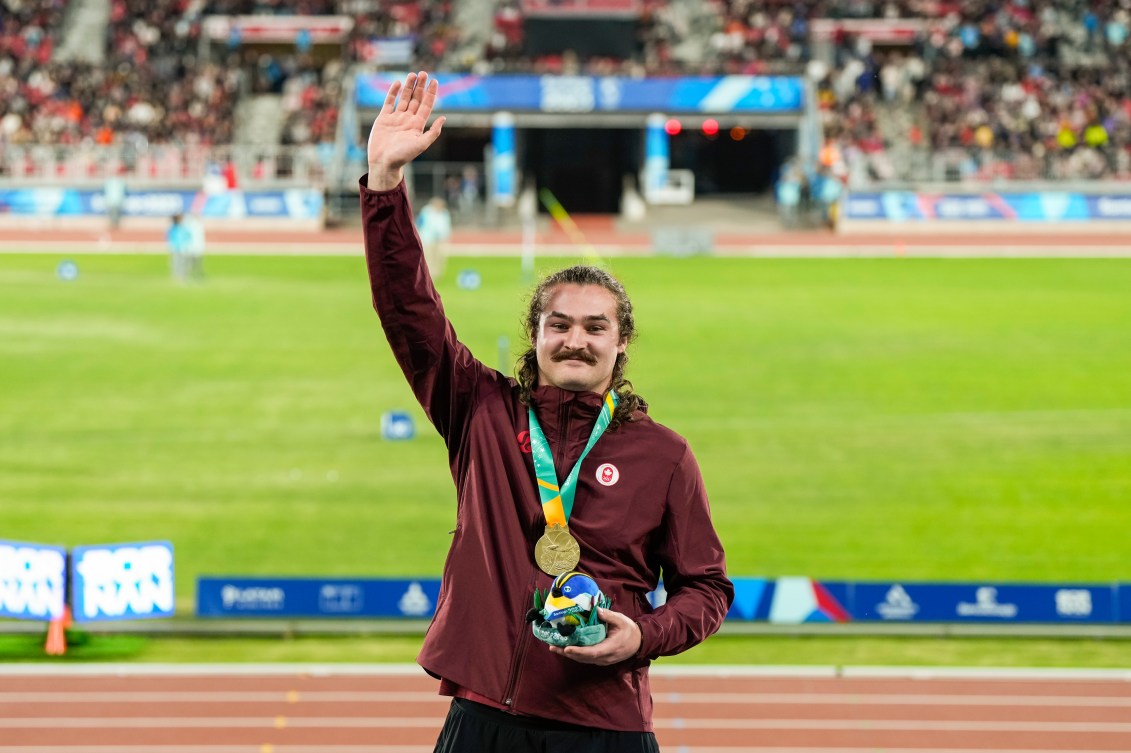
(571, 354)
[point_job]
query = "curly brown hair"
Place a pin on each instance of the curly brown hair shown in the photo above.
(526, 370)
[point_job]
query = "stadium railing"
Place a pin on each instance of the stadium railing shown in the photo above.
(163, 165)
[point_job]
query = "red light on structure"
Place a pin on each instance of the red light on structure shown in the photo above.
(711, 127)
(673, 127)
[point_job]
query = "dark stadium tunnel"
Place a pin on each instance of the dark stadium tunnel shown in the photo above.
(583, 167)
(724, 165)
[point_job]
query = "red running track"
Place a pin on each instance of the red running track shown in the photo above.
(258, 239)
(396, 710)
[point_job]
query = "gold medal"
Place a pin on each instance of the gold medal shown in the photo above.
(557, 552)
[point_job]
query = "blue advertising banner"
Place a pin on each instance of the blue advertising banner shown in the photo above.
(787, 600)
(1045, 206)
(1110, 207)
(969, 602)
(295, 204)
(581, 94)
(122, 581)
(316, 597)
(751, 599)
(32, 580)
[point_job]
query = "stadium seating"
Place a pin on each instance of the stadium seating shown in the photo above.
(1024, 89)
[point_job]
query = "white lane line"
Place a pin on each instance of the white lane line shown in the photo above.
(330, 748)
(659, 670)
(222, 670)
(333, 696)
(282, 722)
(894, 725)
(891, 699)
(860, 725)
(987, 673)
(261, 749)
(222, 696)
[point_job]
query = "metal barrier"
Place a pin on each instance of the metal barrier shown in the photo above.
(143, 165)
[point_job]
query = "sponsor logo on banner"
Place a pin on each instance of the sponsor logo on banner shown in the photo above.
(964, 208)
(388, 50)
(123, 581)
(986, 605)
(415, 602)
(610, 93)
(252, 599)
(1113, 206)
(157, 204)
(340, 598)
(864, 207)
(1073, 602)
(897, 605)
(32, 581)
(270, 205)
(568, 94)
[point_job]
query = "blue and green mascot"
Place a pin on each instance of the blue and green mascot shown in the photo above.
(566, 615)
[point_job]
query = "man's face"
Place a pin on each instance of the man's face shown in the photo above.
(578, 339)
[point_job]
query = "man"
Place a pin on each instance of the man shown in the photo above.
(640, 510)
(178, 238)
(114, 196)
(195, 245)
(434, 226)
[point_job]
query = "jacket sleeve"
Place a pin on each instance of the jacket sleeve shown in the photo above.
(442, 372)
(694, 569)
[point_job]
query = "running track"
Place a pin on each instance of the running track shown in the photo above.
(394, 709)
(149, 237)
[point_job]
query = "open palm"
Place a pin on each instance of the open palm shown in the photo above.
(398, 134)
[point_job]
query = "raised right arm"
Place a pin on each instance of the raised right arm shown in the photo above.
(398, 136)
(441, 371)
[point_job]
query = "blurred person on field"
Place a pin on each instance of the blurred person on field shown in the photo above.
(632, 506)
(178, 238)
(434, 223)
(114, 196)
(827, 190)
(469, 190)
(194, 246)
(789, 193)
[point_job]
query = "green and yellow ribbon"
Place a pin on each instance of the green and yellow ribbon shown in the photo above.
(557, 499)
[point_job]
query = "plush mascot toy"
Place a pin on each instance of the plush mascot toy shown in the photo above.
(567, 614)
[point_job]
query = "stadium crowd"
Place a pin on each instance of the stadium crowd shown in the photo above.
(992, 88)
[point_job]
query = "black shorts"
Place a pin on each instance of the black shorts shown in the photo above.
(474, 728)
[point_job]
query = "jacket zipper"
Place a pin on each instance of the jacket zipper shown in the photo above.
(520, 654)
(563, 438)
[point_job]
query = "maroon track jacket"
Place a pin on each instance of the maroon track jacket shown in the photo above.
(654, 519)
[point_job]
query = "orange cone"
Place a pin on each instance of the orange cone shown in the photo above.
(56, 644)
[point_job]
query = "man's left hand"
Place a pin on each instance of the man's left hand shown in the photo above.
(622, 642)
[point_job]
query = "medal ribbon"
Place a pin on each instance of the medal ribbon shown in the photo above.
(557, 500)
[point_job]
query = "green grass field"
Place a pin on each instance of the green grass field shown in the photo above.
(902, 418)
